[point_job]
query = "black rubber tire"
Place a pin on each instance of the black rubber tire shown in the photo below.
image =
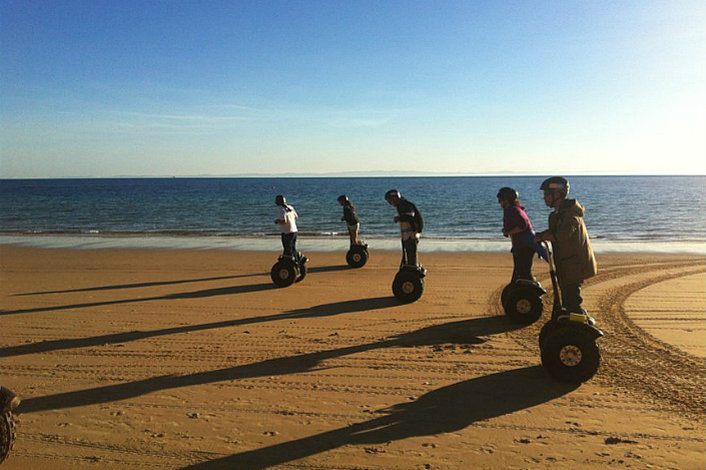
(302, 273)
(503, 295)
(8, 433)
(570, 354)
(357, 257)
(407, 286)
(523, 306)
(283, 273)
(549, 326)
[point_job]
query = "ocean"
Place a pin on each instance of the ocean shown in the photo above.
(623, 213)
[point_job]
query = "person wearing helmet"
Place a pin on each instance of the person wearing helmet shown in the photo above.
(573, 254)
(287, 220)
(411, 225)
(350, 216)
(517, 226)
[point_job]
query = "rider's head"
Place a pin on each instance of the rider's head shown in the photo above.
(280, 200)
(342, 199)
(555, 189)
(393, 197)
(507, 197)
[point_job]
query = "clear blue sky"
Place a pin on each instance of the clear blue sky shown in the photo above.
(122, 87)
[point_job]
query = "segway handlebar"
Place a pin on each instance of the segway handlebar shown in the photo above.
(552, 274)
(550, 254)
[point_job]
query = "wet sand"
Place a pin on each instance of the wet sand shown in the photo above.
(192, 359)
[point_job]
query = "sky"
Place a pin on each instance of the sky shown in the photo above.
(100, 88)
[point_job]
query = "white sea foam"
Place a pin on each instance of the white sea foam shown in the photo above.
(324, 244)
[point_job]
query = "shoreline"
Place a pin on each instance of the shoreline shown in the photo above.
(324, 244)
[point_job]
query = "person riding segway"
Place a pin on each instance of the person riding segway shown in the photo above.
(408, 284)
(357, 254)
(522, 297)
(291, 265)
(568, 340)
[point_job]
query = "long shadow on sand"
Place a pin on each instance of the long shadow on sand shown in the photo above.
(447, 409)
(322, 269)
(328, 269)
(141, 284)
(185, 295)
(323, 310)
(460, 332)
(182, 295)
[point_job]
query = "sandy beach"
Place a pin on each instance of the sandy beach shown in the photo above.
(135, 358)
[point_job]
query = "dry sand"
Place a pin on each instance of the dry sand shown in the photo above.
(191, 359)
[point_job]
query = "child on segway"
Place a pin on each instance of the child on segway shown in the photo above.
(350, 217)
(522, 297)
(357, 254)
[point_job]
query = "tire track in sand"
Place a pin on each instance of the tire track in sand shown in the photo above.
(632, 359)
(638, 361)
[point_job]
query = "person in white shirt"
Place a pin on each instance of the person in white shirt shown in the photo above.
(287, 221)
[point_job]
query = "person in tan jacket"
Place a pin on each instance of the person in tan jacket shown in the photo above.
(573, 254)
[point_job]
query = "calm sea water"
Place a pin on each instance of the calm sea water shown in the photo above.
(635, 209)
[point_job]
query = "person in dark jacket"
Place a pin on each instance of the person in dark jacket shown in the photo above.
(350, 216)
(573, 254)
(517, 226)
(411, 225)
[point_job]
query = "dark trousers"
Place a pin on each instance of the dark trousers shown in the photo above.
(571, 296)
(409, 251)
(522, 256)
(289, 244)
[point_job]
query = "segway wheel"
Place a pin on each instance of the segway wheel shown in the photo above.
(504, 294)
(302, 273)
(8, 433)
(283, 273)
(357, 257)
(407, 286)
(570, 354)
(544, 332)
(523, 306)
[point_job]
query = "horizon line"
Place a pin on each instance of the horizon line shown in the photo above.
(372, 174)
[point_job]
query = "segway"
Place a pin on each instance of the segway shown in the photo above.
(522, 301)
(567, 342)
(289, 269)
(408, 284)
(8, 431)
(357, 256)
